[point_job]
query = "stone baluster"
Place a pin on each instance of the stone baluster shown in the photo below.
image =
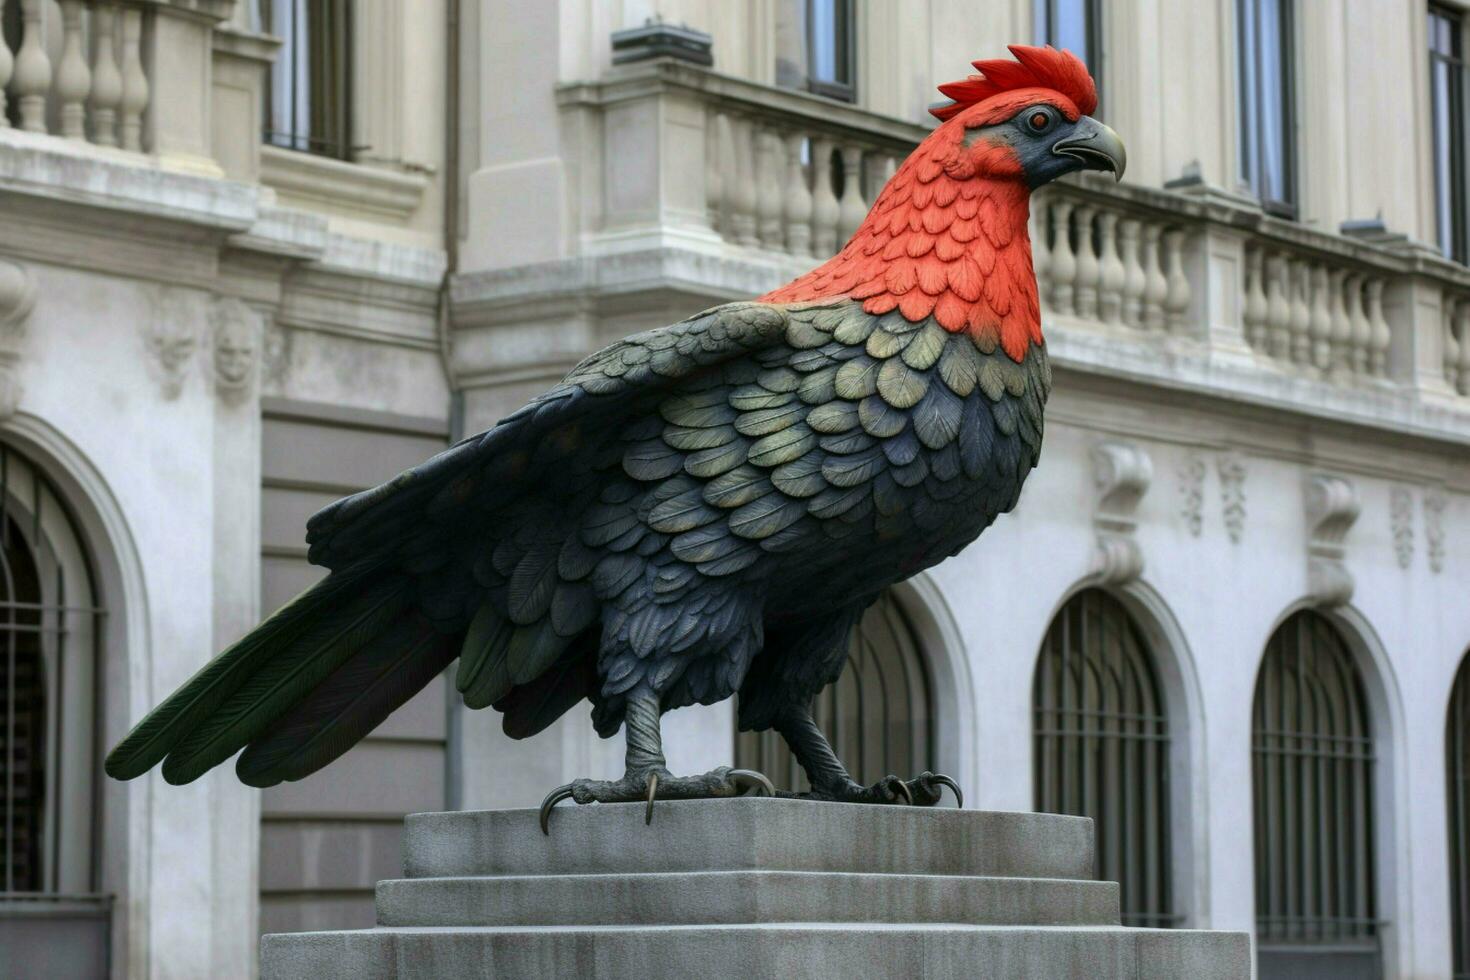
(1301, 313)
(1362, 329)
(1278, 309)
(1381, 336)
(1110, 275)
(1040, 247)
(1253, 312)
(824, 201)
(1133, 276)
(716, 160)
(798, 204)
(1463, 317)
(7, 64)
(1088, 270)
(73, 77)
(134, 82)
(1452, 311)
(770, 194)
(1063, 259)
(1340, 332)
(880, 172)
(1177, 299)
(32, 76)
(1155, 283)
(742, 193)
(1320, 326)
(851, 209)
(106, 79)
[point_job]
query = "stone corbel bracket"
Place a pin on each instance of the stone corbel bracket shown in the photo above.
(1122, 473)
(17, 298)
(1332, 506)
(235, 334)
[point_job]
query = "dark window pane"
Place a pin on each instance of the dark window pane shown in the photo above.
(1446, 90)
(830, 39)
(309, 91)
(1457, 752)
(1267, 123)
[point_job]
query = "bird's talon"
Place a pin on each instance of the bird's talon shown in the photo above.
(652, 792)
(943, 780)
(750, 779)
(902, 789)
(552, 799)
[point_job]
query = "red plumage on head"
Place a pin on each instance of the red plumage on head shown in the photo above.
(1044, 67)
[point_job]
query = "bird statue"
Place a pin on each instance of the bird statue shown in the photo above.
(698, 510)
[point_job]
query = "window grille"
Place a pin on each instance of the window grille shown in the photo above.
(1101, 748)
(878, 716)
(308, 94)
(1457, 757)
(1312, 770)
(1447, 115)
(1266, 92)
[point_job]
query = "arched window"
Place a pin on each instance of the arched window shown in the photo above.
(1457, 756)
(1312, 770)
(1101, 748)
(878, 716)
(50, 622)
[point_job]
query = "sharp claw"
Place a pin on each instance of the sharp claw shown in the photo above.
(652, 790)
(552, 799)
(751, 776)
(903, 790)
(943, 780)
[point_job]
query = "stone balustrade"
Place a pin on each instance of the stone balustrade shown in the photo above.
(1456, 309)
(78, 71)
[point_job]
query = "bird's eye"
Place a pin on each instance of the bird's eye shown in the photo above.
(1039, 120)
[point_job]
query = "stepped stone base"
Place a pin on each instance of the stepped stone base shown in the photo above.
(751, 888)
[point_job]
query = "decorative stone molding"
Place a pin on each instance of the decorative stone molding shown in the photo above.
(1122, 473)
(1434, 507)
(1192, 493)
(1401, 521)
(236, 336)
(1332, 506)
(17, 298)
(172, 339)
(1231, 467)
(335, 183)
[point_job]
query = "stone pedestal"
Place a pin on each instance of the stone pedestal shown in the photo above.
(751, 888)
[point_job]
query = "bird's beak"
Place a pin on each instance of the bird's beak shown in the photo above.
(1095, 146)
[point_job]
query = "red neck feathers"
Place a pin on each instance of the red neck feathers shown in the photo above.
(943, 242)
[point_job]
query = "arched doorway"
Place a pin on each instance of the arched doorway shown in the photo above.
(1457, 789)
(1312, 775)
(879, 716)
(1101, 748)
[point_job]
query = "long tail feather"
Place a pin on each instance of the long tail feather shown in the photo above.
(288, 675)
(167, 725)
(349, 704)
(530, 708)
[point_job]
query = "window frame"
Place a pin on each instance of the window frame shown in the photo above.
(1453, 241)
(1251, 156)
(1045, 18)
(299, 52)
(842, 91)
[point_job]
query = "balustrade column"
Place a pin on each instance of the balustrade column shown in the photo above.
(1301, 314)
(1381, 336)
(73, 77)
(742, 193)
(851, 209)
(770, 197)
(1088, 270)
(1133, 275)
(1362, 329)
(798, 203)
(1341, 330)
(32, 77)
(134, 81)
(1253, 314)
(107, 83)
(1177, 299)
(1278, 308)
(824, 201)
(1063, 260)
(1110, 269)
(1155, 283)
(1463, 316)
(1320, 326)
(1452, 312)
(716, 159)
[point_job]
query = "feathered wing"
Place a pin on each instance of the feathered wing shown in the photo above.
(465, 555)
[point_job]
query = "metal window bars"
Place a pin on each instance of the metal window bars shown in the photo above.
(308, 93)
(1312, 770)
(878, 716)
(1457, 765)
(1101, 742)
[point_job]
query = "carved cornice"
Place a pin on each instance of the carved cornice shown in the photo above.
(1122, 473)
(1331, 508)
(17, 298)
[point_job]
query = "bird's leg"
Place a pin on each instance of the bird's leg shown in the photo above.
(830, 779)
(646, 775)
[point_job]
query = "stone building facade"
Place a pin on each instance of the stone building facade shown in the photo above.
(257, 255)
